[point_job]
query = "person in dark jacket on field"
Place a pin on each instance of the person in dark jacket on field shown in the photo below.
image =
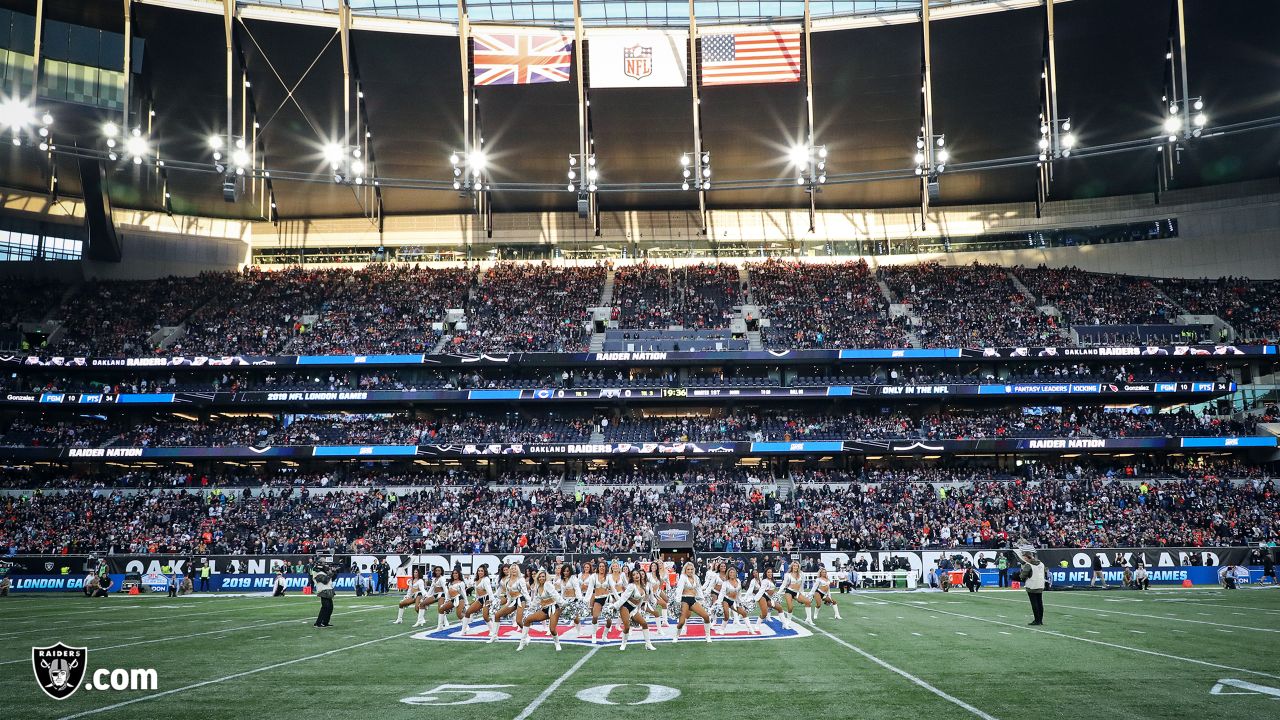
(972, 580)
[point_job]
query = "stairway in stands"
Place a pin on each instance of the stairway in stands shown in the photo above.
(606, 292)
(786, 486)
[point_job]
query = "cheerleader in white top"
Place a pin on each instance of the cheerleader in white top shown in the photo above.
(730, 597)
(412, 596)
(452, 600)
(763, 591)
(793, 592)
(514, 591)
(630, 603)
(570, 586)
(657, 589)
(600, 591)
(545, 604)
(485, 591)
(687, 589)
(822, 594)
(709, 593)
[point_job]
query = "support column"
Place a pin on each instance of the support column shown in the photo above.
(1185, 105)
(694, 81)
(35, 70)
(128, 62)
(927, 112)
(344, 31)
(228, 26)
(808, 103)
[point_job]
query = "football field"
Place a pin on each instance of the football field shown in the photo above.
(1159, 654)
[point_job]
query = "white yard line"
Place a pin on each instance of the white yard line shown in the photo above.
(113, 622)
(1155, 653)
(542, 696)
(940, 693)
(219, 631)
(234, 676)
(1160, 617)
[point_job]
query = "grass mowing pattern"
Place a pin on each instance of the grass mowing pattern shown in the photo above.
(225, 657)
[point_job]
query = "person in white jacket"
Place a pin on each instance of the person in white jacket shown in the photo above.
(630, 605)
(545, 602)
(687, 589)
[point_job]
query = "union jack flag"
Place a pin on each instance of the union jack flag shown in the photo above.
(521, 58)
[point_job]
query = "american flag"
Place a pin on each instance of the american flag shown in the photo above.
(762, 56)
(521, 58)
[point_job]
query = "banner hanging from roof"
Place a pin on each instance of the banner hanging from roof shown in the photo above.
(638, 59)
(751, 57)
(521, 58)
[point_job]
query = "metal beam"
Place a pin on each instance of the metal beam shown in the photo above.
(228, 26)
(927, 106)
(35, 71)
(1182, 58)
(1051, 79)
(344, 31)
(808, 103)
(697, 118)
(128, 61)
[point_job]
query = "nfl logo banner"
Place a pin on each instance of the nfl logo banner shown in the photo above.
(638, 59)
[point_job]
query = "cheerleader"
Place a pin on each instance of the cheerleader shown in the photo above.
(822, 594)
(657, 589)
(484, 592)
(600, 590)
(630, 604)
(793, 591)
(412, 596)
(434, 593)
(763, 591)
(570, 586)
(730, 597)
(545, 604)
(514, 590)
(687, 589)
(452, 600)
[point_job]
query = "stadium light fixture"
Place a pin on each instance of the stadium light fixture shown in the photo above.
(334, 154)
(695, 170)
(16, 114)
(1056, 139)
(582, 181)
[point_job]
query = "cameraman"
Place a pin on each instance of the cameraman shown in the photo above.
(323, 577)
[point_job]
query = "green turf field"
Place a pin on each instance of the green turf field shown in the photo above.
(1160, 654)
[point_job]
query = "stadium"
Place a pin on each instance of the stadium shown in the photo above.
(611, 358)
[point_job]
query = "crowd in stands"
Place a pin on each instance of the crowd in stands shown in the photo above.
(969, 306)
(740, 425)
(1251, 307)
(1085, 298)
(691, 296)
(812, 305)
(887, 514)
(530, 308)
(953, 424)
(512, 307)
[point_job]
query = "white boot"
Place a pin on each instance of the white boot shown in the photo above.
(808, 614)
(647, 644)
(836, 608)
(422, 619)
(445, 620)
(623, 646)
(595, 632)
(399, 616)
(556, 638)
(675, 635)
(493, 632)
(524, 640)
(786, 620)
(708, 634)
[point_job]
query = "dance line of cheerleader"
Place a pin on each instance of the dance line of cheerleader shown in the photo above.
(601, 591)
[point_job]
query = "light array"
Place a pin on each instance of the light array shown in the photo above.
(812, 163)
(695, 171)
(583, 173)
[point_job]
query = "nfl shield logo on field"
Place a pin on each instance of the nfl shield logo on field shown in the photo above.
(637, 61)
(59, 669)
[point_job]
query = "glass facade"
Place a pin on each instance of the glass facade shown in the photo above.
(616, 12)
(24, 240)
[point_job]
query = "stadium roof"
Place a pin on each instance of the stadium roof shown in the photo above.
(986, 61)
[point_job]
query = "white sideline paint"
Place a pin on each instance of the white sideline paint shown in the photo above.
(921, 683)
(207, 632)
(1162, 617)
(1104, 643)
(233, 676)
(1201, 603)
(102, 609)
(542, 696)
